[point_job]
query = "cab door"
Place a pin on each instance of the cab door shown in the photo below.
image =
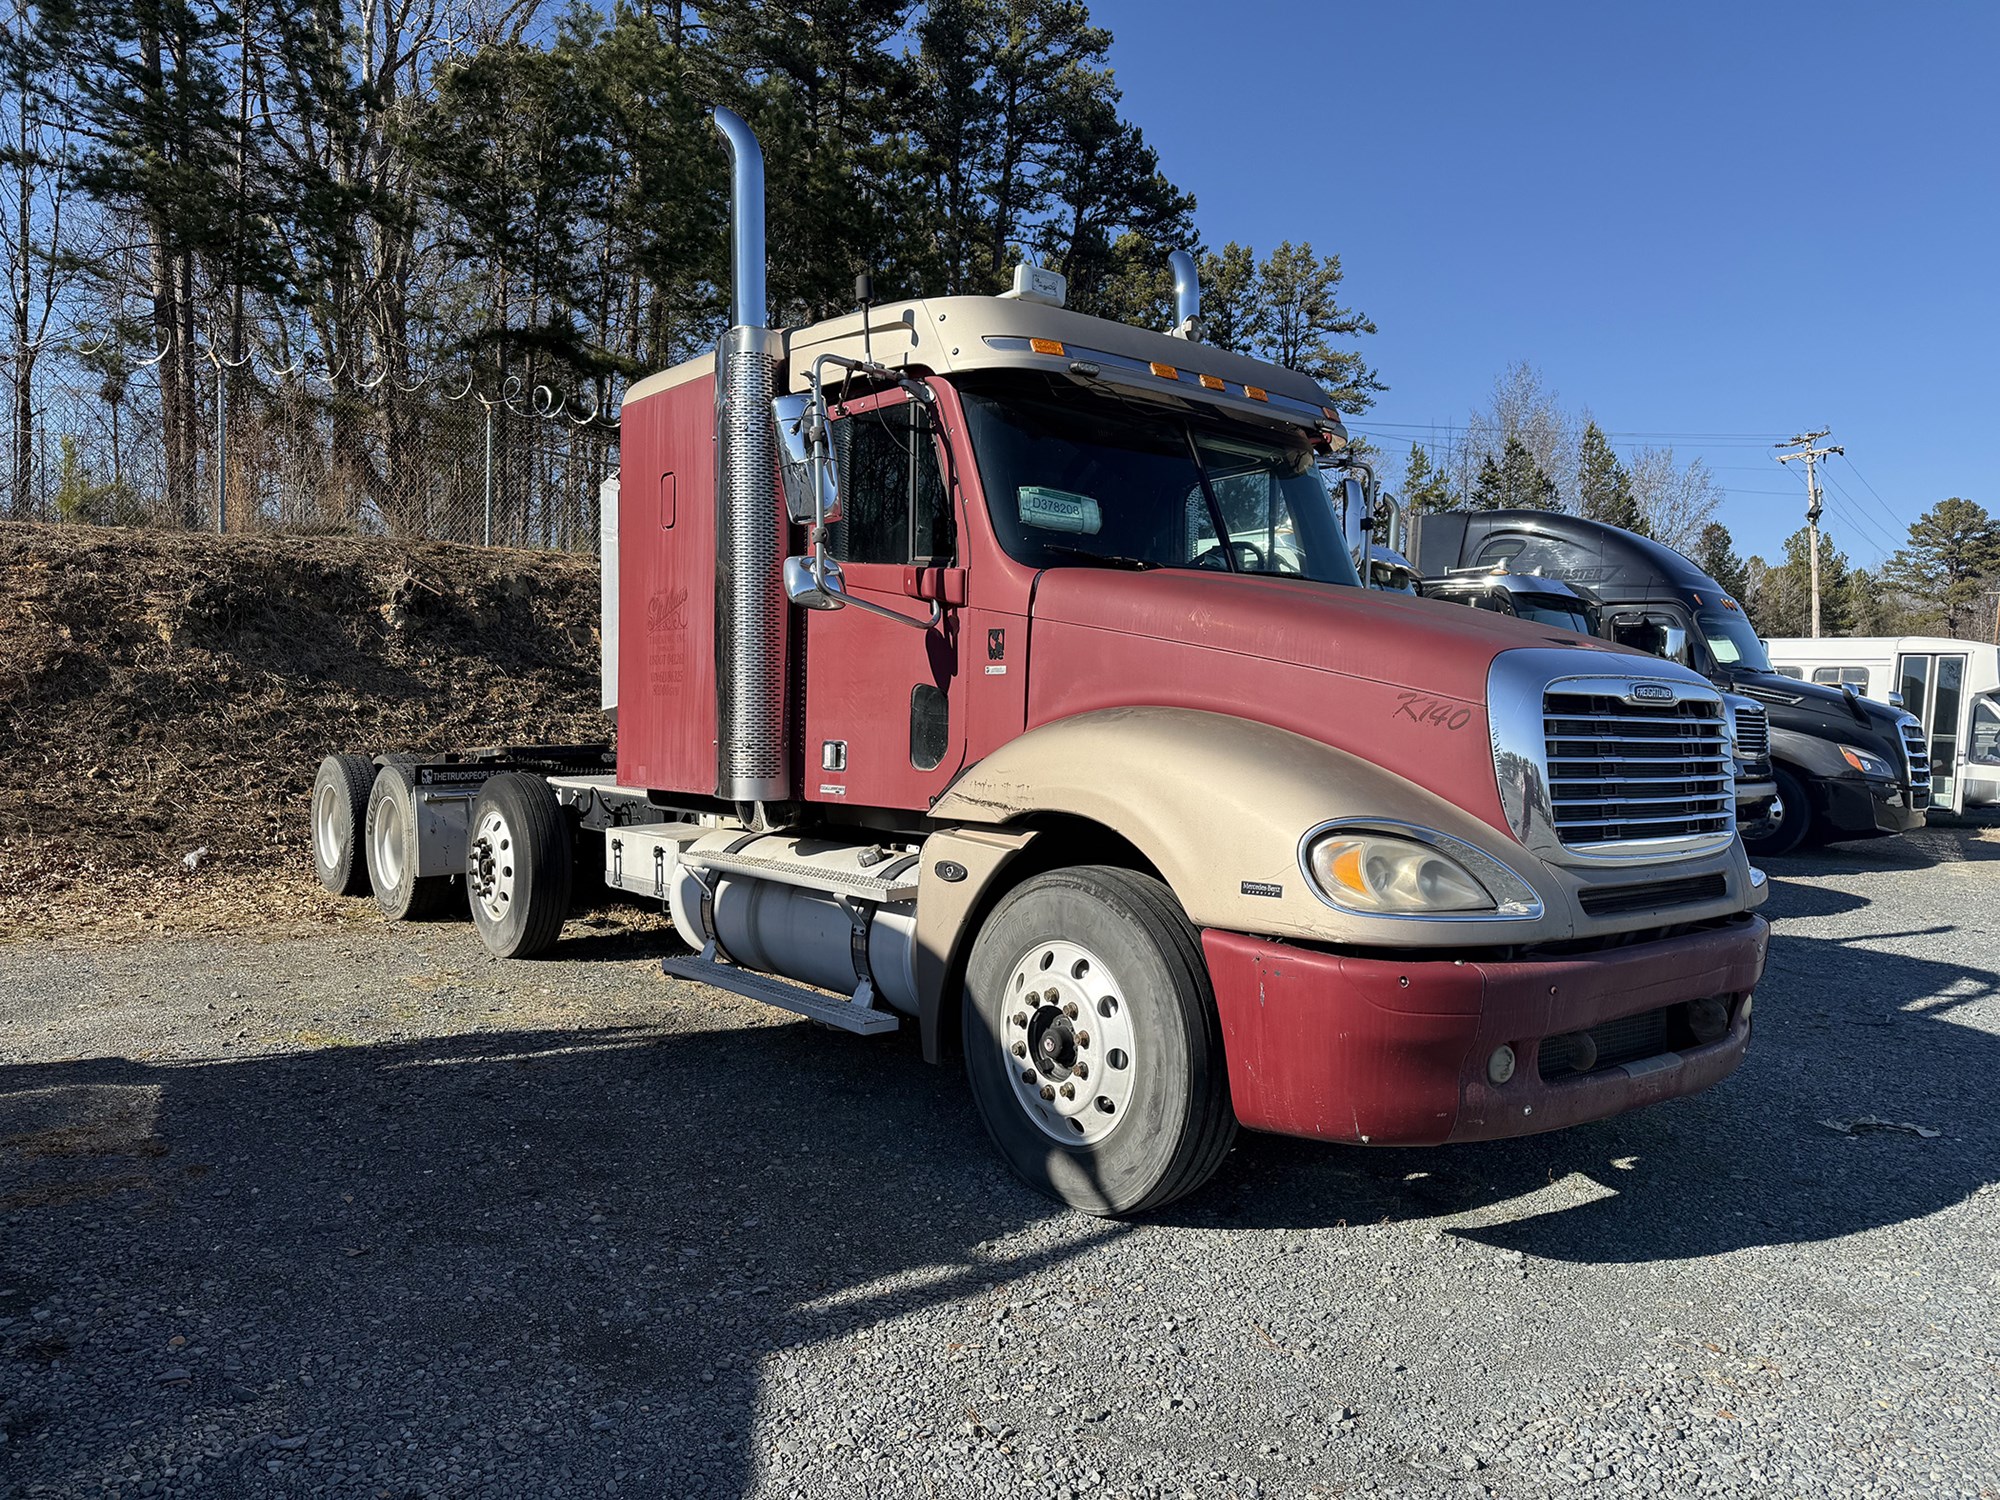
(885, 701)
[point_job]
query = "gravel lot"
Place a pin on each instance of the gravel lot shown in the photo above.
(361, 1212)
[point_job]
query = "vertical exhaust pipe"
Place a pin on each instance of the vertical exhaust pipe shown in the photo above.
(1187, 295)
(750, 618)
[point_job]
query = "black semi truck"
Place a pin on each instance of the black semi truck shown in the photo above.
(1498, 589)
(1845, 767)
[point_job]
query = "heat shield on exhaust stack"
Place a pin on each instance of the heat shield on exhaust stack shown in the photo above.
(750, 609)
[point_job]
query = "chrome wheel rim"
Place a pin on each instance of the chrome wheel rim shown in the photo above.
(1066, 1041)
(387, 837)
(490, 867)
(329, 834)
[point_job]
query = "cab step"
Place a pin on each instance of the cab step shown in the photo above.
(862, 1020)
(876, 888)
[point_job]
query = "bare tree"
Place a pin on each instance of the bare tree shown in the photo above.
(1676, 499)
(1521, 407)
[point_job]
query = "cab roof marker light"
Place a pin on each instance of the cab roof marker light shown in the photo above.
(1047, 346)
(1213, 383)
(1256, 393)
(1165, 372)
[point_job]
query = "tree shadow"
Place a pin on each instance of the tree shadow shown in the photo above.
(585, 1243)
(573, 1259)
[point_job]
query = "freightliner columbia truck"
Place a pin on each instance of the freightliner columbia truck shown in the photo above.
(1001, 671)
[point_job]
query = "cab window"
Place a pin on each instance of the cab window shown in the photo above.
(1854, 677)
(894, 504)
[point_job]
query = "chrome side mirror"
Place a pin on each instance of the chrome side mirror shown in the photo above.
(802, 429)
(811, 589)
(1673, 641)
(1353, 506)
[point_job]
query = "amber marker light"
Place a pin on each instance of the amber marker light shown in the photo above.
(1256, 393)
(1212, 383)
(1165, 372)
(1047, 346)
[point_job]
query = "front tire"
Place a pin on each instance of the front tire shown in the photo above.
(392, 841)
(1791, 829)
(1092, 1042)
(518, 865)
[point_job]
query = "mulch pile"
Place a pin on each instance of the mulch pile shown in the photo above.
(166, 698)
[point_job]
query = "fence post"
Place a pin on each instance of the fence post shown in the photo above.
(221, 445)
(489, 473)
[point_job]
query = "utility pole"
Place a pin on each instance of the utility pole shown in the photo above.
(1803, 446)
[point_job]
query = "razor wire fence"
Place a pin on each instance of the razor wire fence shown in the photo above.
(302, 450)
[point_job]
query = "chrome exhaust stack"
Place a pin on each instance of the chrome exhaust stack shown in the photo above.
(1187, 295)
(750, 611)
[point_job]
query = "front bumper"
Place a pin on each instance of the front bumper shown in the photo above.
(1861, 807)
(1382, 1051)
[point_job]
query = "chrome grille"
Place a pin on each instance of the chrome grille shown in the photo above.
(1753, 733)
(1917, 757)
(1624, 772)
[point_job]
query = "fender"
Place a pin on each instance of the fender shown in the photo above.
(1221, 807)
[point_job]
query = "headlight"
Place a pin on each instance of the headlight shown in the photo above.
(1866, 764)
(1377, 872)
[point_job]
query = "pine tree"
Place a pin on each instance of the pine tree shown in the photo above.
(1230, 310)
(1426, 487)
(1515, 483)
(1603, 488)
(1953, 550)
(1715, 555)
(1286, 309)
(1781, 599)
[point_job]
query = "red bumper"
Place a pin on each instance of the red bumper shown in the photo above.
(1394, 1053)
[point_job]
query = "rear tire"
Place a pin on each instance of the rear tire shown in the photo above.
(1147, 1116)
(518, 865)
(339, 821)
(1791, 829)
(392, 843)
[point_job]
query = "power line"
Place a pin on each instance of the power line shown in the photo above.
(1860, 516)
(1897, 521)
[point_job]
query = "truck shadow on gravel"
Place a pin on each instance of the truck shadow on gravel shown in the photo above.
(562, 1258)
(568, 1260)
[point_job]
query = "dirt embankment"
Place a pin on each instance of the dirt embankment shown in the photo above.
(165, 700)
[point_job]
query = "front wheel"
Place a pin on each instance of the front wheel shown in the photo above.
(1092, 1042)
(1779, 838)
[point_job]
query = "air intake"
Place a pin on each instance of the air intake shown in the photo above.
(749, 531)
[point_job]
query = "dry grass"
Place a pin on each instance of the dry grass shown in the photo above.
(162, 694)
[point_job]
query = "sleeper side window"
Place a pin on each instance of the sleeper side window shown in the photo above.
(895, 507)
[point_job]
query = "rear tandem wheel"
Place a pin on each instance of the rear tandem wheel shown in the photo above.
(518, 865)
(339, 815)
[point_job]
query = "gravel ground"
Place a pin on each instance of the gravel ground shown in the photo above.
(359, 1212)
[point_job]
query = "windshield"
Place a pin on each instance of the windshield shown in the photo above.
(1074, 478)
(1553, 609)
(1731, 641)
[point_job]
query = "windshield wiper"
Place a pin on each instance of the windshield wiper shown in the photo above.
(1108, 559)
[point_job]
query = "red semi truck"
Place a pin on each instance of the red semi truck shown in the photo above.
(1003, 670)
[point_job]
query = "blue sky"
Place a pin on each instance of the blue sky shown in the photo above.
(1697, 219)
